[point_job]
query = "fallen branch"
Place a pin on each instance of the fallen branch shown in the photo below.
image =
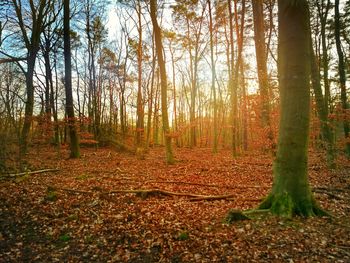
(33, 172)
(210, 185)
(75, 191)
(147, 192)
(212, 197)
(154, 191)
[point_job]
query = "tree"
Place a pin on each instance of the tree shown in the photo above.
(164, 84)
(323, 11)
(30, 28)
(74, 141)
(326, 131)
(260, 51)
(213, 76)
(191, 14)
(342, 75)
(232, 84)
(291, 194)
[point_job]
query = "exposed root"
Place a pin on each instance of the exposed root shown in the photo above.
(283, 205)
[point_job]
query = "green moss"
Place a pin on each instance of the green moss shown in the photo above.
(183, 236)
(22, 178)
(72, 217)
(51, 196)
(64, 238)
(283, 205)
(266, 203)
(82, 177)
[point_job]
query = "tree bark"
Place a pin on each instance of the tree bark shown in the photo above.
(326, 131)
(29, 105)
(323, 13)
(164, 84)
(342, 76)
(213, 76)
(232, 84)
(140, 110)
(74, 141)
(260, 53)
(291, 194)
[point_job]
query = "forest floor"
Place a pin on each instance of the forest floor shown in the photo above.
(73, 215)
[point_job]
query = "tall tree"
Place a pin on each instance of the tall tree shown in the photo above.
(323, 11)
(213, 78)
(291, 194)
(232, 83)
(326, 131)
(260, 54)
(163, 83)
(191, 14)
(30, 19)
(342, 75)
(74, 141)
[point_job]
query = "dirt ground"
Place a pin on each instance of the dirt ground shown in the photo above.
(73, 215)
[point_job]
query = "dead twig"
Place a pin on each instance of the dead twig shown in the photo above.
(212, 198)
(153, 191)
(33, 172)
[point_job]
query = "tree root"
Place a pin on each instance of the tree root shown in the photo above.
(285, 206)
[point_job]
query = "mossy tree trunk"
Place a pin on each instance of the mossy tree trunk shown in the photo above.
(291, 194)
(163, 83)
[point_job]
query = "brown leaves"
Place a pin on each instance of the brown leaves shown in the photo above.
(87, 225)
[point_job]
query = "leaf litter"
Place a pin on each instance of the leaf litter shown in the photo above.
(72, 215)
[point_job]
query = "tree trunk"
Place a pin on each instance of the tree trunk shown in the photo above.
(164, 84)
(140, 110)
(291, 194)
(325, 61)
(260, 52)
(74, 143)
(150, 97)
(29, 105)
(213, 76)
(326, 131)
(232, 84)
(239, 33)
(342, 76)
